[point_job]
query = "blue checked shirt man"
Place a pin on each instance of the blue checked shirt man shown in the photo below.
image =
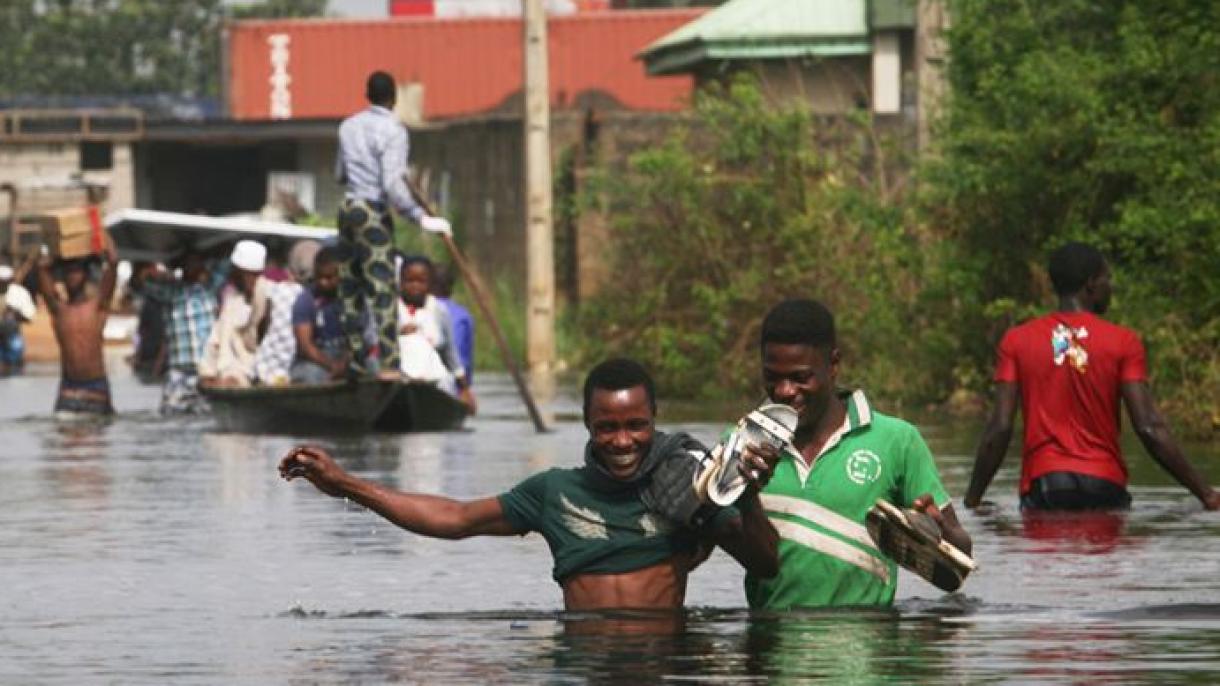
(372, 163)
(190, 305)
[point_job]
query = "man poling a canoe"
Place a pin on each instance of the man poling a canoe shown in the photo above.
(371, 164)
(610, 548)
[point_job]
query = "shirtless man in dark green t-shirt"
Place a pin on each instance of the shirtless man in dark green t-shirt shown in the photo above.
(610, 551)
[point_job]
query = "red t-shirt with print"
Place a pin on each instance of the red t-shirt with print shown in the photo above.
(1070, 367)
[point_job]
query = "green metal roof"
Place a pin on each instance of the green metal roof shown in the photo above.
(769, 29)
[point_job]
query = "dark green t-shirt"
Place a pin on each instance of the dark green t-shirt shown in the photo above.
(592, 529)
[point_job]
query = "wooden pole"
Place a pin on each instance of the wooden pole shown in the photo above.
(540, 312)
(484, 303)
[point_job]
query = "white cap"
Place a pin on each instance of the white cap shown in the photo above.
(6, 272)
(249, 255)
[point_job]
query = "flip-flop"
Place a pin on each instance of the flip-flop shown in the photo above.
(722, 482)
(913, 539)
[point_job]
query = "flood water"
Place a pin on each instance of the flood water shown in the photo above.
(163, 551)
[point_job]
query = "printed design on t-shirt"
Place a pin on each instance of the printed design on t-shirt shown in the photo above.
(582, 521)
(863, 466)
(1067, 346)
(653, 525)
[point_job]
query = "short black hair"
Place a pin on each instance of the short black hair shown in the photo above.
(443, 278)
(618, 374)
(800, 321)
(408, 260)
(380, 88)
(1072, 265)
(326, 255)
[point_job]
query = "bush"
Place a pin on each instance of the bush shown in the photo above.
(744, 205)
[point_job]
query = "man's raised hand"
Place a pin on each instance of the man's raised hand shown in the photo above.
(758, 464)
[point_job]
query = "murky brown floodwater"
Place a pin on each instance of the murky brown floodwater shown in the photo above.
(162, 551)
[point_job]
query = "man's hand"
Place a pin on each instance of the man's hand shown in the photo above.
(758, 464)
(435, 225)
(315, 465)
(467, 397)
(337, 368)
(927, 505)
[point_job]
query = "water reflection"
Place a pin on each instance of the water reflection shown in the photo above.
(1081, 533)
(850, 647)
(75, 466)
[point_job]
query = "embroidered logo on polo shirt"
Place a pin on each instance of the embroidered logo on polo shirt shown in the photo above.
(863, 467)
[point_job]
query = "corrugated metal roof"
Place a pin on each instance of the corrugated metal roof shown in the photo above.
(755, 29)
(466, 66)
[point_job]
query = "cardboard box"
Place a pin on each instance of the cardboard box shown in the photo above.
(73, 232)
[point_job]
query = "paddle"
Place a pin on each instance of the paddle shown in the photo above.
(480, 296)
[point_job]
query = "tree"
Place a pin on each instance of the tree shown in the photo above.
(119, 47)
(1078, 120)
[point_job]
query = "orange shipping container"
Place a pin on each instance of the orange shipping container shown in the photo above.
(304, 69)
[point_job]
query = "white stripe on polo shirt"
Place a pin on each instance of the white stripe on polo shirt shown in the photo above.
(829, 545)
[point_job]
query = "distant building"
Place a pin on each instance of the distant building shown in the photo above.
(833, 55)
(289, 83)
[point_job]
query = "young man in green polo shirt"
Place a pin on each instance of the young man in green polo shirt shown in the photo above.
(847, 456)
(610, 550)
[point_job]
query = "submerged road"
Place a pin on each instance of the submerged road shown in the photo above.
(158, 551)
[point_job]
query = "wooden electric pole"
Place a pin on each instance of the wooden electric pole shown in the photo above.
(540, 316)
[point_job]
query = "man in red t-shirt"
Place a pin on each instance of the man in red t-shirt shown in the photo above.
(1070, 368)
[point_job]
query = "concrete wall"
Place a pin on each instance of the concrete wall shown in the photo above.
(30, 165)
(480, 166)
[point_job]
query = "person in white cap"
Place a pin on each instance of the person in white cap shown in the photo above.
(371, 163)
(230, 354)
(16, 308)
(78, 321)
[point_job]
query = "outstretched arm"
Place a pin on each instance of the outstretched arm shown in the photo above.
(426, 515)
(994, 443)
(1153, 432)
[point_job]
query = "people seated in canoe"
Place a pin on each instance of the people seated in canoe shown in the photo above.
(426, 348)
(322, 352)
(278, 347)
(463, 323)
(228, 357)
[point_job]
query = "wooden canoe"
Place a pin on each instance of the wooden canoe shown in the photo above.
(421, 407)
(336, 407)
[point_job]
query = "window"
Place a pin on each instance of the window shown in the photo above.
(96, 156)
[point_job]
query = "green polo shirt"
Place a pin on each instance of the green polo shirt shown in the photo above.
(826, 555)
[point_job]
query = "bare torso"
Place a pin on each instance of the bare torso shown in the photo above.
(659, 587)
(78, 330)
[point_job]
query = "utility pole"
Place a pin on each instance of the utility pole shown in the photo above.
(540, 316)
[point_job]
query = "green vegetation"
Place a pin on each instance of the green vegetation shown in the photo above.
(1068, 120)
(1076, 120)
(91, 47)
(748, 204)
